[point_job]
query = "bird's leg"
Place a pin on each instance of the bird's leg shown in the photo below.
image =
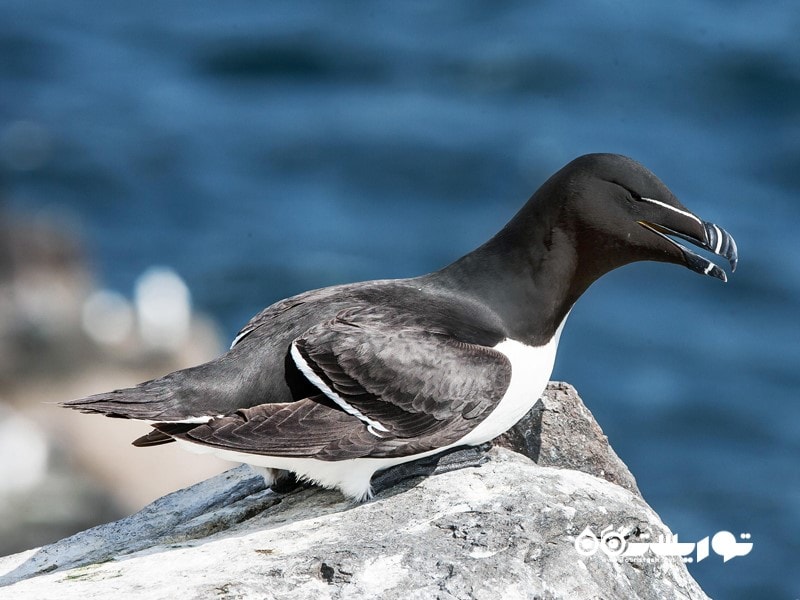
(286, 482)
(444, 462)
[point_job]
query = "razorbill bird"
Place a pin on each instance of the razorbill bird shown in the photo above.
(339, 383)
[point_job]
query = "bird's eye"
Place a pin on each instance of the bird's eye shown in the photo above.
(633, 194)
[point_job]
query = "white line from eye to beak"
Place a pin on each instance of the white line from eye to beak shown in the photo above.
(672, 208)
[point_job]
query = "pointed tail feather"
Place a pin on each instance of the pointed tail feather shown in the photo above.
(175, 397)
(129, 403)
(155, 438)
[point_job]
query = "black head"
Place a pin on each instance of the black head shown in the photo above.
(616, 212)
(599, 212)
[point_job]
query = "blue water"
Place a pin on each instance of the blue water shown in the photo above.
(264, 150)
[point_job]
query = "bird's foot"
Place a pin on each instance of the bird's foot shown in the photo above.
(444, 462)
(286, 483)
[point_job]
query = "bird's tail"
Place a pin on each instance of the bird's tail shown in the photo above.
(180, 397)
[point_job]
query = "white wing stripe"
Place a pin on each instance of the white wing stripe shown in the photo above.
(239, 337)
(306, 370)
(187, 420)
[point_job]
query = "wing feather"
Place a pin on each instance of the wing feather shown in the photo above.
(410, 378)
(312, 427)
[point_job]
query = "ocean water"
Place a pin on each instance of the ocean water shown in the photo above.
(262, 150)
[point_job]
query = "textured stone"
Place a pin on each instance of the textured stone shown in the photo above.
(559, 431)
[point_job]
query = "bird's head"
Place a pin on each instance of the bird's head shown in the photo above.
(618, 212)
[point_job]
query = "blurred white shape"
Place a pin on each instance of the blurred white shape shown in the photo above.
(163, 307)
(23, 453)
(44, 300)
(107, 318)
(25, 145)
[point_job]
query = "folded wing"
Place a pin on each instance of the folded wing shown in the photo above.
(393, 385)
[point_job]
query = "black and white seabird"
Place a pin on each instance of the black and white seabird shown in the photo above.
(339, 383)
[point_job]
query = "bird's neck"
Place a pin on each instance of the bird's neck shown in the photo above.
(530, 274)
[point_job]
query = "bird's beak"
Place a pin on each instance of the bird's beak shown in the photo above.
(708, 236)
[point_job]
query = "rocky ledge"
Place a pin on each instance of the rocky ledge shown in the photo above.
(506, 529)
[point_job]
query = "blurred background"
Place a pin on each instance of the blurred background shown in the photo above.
(167, 170)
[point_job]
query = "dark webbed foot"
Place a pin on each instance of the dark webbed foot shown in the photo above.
(444, 462)
(287, 482)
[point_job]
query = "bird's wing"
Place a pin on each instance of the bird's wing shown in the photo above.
(401, 376)
(393, 387)
(269, 315)
(312, 427)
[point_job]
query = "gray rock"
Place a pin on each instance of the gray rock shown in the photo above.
(559, 431)
(504, 530)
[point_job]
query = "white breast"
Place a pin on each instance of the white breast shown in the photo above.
(531, 367)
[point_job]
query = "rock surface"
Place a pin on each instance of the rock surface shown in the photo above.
(559, 431)
(506, 529)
